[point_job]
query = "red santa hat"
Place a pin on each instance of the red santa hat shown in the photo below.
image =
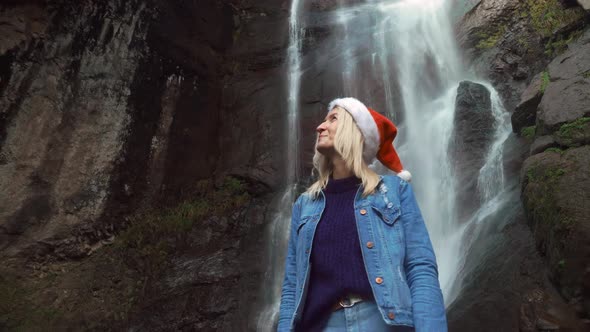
(379, 133)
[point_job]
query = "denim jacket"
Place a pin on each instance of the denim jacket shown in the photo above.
(400, 264)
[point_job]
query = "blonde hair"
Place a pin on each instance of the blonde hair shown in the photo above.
(348, 143)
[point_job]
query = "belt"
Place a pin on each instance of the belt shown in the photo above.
(348, 301)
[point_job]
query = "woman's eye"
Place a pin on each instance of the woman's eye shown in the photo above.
(333, 119)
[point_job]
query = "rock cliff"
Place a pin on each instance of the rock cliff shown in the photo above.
(535, 54)
(117, 111)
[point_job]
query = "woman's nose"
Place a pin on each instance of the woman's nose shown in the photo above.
(321, 127)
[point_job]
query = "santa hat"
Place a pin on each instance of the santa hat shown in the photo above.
(379, 133)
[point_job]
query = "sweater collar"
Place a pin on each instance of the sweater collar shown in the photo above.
(342, 185)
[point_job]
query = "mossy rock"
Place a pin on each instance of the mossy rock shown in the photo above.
(528, 132)
(573, 134)
(549, 16)
(18, 309)
(556, 200)
(153, 235)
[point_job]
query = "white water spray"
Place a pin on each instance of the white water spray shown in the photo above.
(278, 230)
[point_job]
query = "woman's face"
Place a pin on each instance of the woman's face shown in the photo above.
(326, 133)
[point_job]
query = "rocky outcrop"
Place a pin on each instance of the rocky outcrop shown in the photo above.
(566, 95)
(554, 178)
(525, 113)
(473, 133)
(108, 108)
(558, 105)
(509, 42)
(555, 196)
(64, 94)
(538, 65)
(508, 279)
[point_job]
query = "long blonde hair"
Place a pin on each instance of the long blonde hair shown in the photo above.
(348, 143)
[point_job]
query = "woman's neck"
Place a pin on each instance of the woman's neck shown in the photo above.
(339, 170)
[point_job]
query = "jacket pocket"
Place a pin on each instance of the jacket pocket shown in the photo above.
(387, 215)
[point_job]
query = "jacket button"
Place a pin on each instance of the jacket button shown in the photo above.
(379, 280)
(391, 315)
(370, 245)
(363, 212)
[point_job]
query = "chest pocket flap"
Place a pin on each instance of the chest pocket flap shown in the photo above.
(389, 214)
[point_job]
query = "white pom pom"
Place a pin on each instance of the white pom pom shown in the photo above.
(405, 175)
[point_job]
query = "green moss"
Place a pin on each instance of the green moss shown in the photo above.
(545, 216)
(568, 129)
(567, 222)
(556, 150)
(523, 42)
(547, 16)
(551, 225)
(559, 44)
(556, 173)
(541, 201)
(545, 78)
(18, 312)
(546, 177)
(586, 74)
(528, 132)
(489, 40)
(152, 235)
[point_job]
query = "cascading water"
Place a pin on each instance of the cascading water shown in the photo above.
(419, 38)
(278, 231)
(406, 45)
(495, 191)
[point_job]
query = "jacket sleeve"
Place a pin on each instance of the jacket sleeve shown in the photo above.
(287, 307)
(421, 269)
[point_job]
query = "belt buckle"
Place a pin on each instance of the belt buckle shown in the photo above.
(349, 301)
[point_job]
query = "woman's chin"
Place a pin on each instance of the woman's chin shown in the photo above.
(326, 151)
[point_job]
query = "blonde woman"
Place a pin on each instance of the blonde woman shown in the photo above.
(359, 255)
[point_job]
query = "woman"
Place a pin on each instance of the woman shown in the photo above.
(359, 256)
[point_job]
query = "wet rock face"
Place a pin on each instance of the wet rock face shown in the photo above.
(558, 105)
(470, 141)
(509, 42)
(128, 108)
(64, 122)
(525, 113)
(555, 196)
(109, 107)
(553, 178)
(567, 94)
(507, 279)
(480, 34)
(506, 42)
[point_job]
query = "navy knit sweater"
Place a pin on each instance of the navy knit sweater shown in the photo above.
(337, 267)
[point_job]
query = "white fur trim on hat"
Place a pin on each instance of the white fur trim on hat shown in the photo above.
(364, 120)
(405, 175)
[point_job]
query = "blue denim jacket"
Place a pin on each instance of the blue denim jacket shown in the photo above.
(400, 265)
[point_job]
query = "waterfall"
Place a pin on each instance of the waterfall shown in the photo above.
(414, 45)
(278, 230)
(495, 192)
(402, 55)
(419, 37)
